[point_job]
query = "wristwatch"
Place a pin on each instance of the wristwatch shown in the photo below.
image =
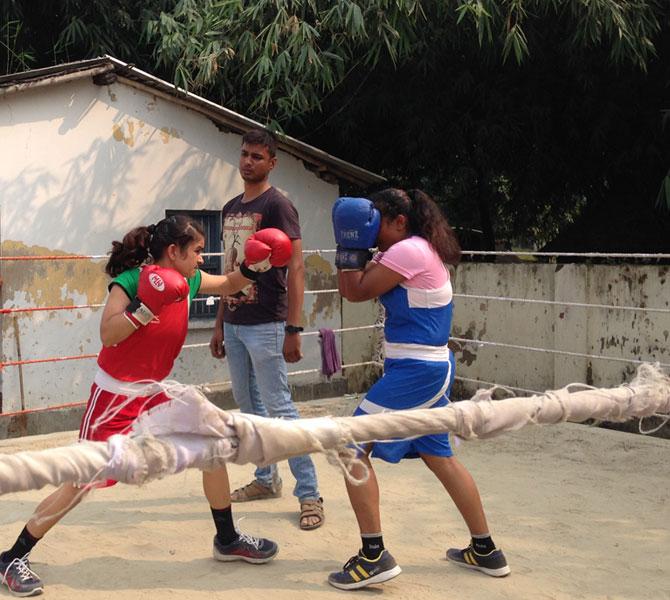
(293, 329)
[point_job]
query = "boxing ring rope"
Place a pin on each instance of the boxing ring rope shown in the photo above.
(638, 255)
(466, 341)
(211, 299)
(190, 432)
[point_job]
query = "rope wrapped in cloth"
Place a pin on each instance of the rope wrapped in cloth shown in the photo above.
(190, 432)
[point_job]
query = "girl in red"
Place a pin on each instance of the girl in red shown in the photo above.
(143, 328)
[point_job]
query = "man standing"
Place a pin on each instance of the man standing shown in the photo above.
(260, 325)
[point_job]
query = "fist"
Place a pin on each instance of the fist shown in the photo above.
(157, 287)
(267, 248)
(356, 223)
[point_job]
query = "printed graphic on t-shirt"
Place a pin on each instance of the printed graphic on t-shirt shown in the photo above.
(237, 227)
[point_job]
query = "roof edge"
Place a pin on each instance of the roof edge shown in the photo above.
(324, 165)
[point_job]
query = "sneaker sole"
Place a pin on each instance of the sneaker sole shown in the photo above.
(233, 557)
(501, 572)
(381, 578)
(34, 592)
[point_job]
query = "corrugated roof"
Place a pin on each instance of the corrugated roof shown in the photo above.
(325, 165)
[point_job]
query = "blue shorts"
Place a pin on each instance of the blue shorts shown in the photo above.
(408, 384)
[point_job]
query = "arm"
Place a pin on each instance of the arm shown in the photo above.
(216, 346)
(296, 290)
(223, 285)
(114, 326)
(375, 280)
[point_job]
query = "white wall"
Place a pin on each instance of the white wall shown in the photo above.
(82, 164)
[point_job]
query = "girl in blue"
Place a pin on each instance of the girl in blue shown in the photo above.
(410, 279)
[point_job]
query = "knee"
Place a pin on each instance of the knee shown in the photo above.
(281, 406)
(440, 464)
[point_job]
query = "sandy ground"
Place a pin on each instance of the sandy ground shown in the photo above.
(581, 513)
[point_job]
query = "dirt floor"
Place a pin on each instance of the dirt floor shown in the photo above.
(581, 513)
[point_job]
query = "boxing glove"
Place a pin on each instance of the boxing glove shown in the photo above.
(356, 225)
(157, 287)
(265, 249)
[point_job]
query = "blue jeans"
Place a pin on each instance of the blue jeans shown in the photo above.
(260, 387)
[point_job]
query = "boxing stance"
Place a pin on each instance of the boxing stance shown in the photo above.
(410, 279)
(143, 327)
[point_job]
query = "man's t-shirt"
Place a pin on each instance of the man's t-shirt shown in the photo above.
(265, 300)
(149, 352)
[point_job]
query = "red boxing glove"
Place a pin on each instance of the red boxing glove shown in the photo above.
(156, 288)
(264, 249)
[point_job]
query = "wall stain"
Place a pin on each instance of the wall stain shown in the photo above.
(169, 132)
(467, 357)
(119, 133)
(589, 373)
(50, 282)
(319, 275)
(466, 353)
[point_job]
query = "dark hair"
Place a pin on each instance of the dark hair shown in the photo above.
(261, 137)
(424, 218)
(150, 241)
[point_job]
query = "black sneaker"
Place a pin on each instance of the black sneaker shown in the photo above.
(18, 577)
(494, 563)
(359, 571)
(247, 548)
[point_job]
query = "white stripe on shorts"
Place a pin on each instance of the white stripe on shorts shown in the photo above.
(371, 408)
(90, 409)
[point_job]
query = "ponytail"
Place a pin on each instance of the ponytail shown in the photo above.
(424, 218)
(131, 252)
(427, 220)
(142, 243)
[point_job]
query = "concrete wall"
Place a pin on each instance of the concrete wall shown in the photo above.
(82, 164)
(612, 333)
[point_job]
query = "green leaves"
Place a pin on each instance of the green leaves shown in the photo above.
(284, 56)
(514, 101)
(16, 58)
(625, 26)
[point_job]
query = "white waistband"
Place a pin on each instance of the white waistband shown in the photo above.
(417, 351)
(125, 388)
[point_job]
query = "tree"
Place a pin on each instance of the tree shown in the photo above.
(39, 34)
(512, 106)
(519, 149)
(514, 113)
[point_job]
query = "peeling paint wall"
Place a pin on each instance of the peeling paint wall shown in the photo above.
(82, 164)
(613, 333)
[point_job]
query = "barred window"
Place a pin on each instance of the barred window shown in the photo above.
(210, 221)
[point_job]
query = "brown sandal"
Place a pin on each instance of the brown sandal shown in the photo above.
(256, 491)
(311, 508)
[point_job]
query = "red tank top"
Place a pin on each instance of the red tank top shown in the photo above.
(149, 352)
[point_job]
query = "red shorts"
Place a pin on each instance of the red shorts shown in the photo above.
(103, 419)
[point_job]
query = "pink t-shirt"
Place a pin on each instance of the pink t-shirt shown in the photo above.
(416, 260)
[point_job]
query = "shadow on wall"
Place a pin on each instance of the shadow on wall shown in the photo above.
(121, 163)
(75, 199)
